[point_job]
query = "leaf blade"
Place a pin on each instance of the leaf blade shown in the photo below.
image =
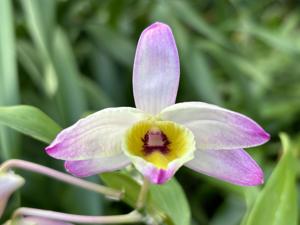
(30, 121)
(277, 202)
(170, 198)
(9, 90)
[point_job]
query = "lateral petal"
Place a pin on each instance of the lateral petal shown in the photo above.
(215, 127)
(85, 168)
(97, 135)
(233, 166)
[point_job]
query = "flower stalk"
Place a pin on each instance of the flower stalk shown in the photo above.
(33, 167)
(142, 198)
(132, 217)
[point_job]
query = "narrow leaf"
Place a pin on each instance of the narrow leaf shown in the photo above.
(70, 92)
(30, 121)
(9, 91)
(116, 44)
(189, 16)
(277, 202)
(40, 19)
(198, 71)
(170, 198)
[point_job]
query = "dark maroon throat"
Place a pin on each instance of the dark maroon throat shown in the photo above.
(155, 141)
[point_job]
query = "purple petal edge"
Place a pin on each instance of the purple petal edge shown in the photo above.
(233, 166)
(94, 136)
(215, 127)
(159, 176)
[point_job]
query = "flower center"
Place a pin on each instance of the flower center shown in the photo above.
(158, 142)
(155, 140)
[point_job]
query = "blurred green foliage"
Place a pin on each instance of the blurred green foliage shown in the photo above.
(72, 57)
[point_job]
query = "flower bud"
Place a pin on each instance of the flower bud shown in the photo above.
(9, 182)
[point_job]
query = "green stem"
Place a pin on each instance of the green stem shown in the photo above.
(143, 194)
(133, 217)
(29, 166)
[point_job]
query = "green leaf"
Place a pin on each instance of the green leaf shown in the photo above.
(277, 202)
(30, 121)
(189, 16)
(40, 20)
(71, 94)
(170, 198)
(61, 74)
(234, 63)
(116, 44)
(97, 97)
(124, 182)
(284, 43)
(9, 90)
(30, 61)
(166, 201)
(200, 74)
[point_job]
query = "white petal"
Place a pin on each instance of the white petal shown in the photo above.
(98, 135)
(216, 128)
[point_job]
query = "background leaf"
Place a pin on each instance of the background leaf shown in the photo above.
(76, 57)
(9, 90)
(68, 77)
(170, 199)
(277, 202)
(30, 121)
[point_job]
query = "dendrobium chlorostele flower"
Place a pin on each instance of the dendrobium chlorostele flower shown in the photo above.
(159, 136)
(9, 183)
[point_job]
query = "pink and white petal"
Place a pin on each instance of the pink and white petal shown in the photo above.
(38, 221)
(215, 127)
(9, 183)
(156, 69)
(152, 173)
(97, 135)
(85, 168)
(233, 166)
(157, 175)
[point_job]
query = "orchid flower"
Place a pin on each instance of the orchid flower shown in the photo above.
(159, 136)
(9, 183)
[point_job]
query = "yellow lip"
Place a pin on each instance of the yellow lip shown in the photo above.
(158, 142)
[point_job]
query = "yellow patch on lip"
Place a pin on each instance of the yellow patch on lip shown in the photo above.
(158, 142)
